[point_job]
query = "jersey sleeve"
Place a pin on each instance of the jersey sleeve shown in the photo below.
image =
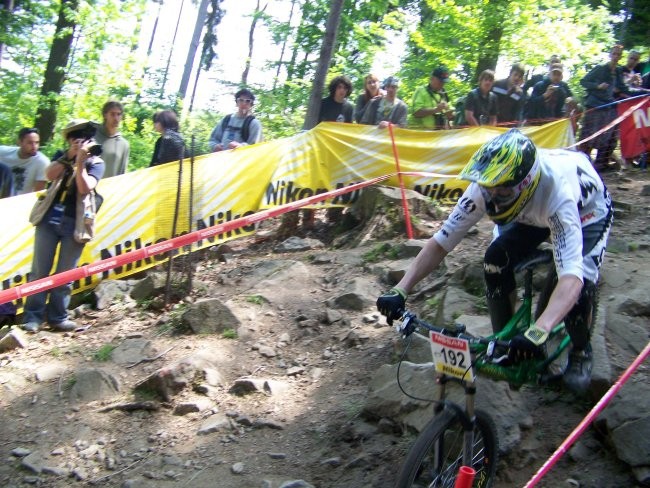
(467, 212)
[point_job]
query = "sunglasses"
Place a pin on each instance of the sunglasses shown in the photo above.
(245, 100)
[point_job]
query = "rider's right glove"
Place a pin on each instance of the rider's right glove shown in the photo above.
(528, 345)
(392, 304)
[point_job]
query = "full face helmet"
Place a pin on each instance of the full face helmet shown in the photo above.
(507, 170)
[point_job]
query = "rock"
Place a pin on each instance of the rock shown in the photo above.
(55, 471)
(108, 292)
(297, 244)
(131, 351)
(358, 294)
(243, 386)
(198, 405)
(20, 452)
(15, 338)
(195, 369)
(632, 441)
(267, 351)
(50, 371)
(332, 316)
(33, 462)
(237, 468)
(94, 384)
(209, 316)
(214, 423)
(296, 484)
(277, 455)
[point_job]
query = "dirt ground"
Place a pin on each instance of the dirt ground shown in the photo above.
(311, 431)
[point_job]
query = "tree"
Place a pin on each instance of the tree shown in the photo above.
(331, 29)
(251, 39)
(194, 45)
(56, 68)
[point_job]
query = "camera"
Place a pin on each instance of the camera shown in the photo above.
(87, 134)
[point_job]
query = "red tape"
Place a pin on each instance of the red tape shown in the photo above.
(65, 277)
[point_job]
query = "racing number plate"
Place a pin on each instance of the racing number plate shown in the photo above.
(451, 356)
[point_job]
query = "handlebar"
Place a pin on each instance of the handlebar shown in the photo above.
(409, 323)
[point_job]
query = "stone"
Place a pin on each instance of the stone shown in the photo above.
(131, 351)
(214, 423)
(20, 452)
(296, 484)
(209, 316)
(15, 338)
(298, 244)
(51, 370)
(108, 292)
(237, 468)
(358, 294)
(94, 384)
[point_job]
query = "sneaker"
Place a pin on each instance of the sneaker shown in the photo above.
(577, 376)
(65, 326)
(31, 326)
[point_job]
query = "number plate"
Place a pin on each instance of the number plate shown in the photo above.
(451, 356)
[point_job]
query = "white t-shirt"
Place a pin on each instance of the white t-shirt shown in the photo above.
(26, 171)
(570, 195)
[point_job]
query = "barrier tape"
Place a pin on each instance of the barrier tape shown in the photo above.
(87, 270)
(616, 121)
(407, 216)
(602, 403)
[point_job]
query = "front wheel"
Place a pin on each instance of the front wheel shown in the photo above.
(437, 454)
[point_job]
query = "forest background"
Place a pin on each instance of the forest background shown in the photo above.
(63, 59)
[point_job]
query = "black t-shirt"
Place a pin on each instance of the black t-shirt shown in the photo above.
(332, 111)
(481, 106)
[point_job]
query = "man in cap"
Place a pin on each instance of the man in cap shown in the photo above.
(549, 96)
(388, 109)
(27, 163)
(431, 108)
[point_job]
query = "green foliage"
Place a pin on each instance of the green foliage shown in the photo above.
(381, 251)
(229, 334)
(256, 299)
(104, 353)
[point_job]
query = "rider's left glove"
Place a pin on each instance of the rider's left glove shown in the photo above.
(392, 304)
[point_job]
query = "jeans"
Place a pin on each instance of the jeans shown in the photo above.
(46, 240)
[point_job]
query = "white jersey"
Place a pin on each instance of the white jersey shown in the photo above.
(26, 171)
(570, 196)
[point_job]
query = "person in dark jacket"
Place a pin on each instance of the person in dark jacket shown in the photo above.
(549, 96)
(604, 84)
(170, 146)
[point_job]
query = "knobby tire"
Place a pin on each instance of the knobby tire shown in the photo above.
(445, 430)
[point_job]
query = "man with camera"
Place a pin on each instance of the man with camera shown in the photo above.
(549, 97)
(78, 169)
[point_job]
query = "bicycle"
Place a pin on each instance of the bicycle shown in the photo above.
(464, 436)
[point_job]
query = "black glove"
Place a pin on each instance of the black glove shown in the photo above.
(521, 349)
(392, 304)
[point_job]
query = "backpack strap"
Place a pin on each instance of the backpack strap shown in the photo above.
(245, 129)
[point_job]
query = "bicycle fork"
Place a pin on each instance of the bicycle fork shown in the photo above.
(467, 418)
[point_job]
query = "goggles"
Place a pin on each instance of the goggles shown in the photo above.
(500, 196)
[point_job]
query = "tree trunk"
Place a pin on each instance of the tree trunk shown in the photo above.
(331, 29)
(171, 50)
(55, 69)
(251, 40)
(8, 5)
(494, 18)
(194, 45)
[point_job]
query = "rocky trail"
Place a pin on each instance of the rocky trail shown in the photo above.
(276, 371)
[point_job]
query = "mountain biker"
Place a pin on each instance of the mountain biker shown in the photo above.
(531, 194)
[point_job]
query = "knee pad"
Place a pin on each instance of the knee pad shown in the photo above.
(580, 319)
(499, 275)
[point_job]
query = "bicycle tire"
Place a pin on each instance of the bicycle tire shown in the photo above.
(445, 431)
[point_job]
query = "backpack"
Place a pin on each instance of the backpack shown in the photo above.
(245, 128)
(459, 115)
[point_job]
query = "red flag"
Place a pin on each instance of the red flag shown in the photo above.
(635, 129)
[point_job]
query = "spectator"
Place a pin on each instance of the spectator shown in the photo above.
(335, 107)
(510, 96)
(431, 108)
(115, 148)
(6, 181)
(240, 128)
(533, 80)
(370, 92)
(80, 172)
(481, 103)
(603, 85)
(386, 110)
(170, 146)
(27, 163)
(549, 96)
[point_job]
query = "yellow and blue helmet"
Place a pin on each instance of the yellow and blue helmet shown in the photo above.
(507, 169)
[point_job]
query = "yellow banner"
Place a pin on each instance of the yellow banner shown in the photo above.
(139, 207)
